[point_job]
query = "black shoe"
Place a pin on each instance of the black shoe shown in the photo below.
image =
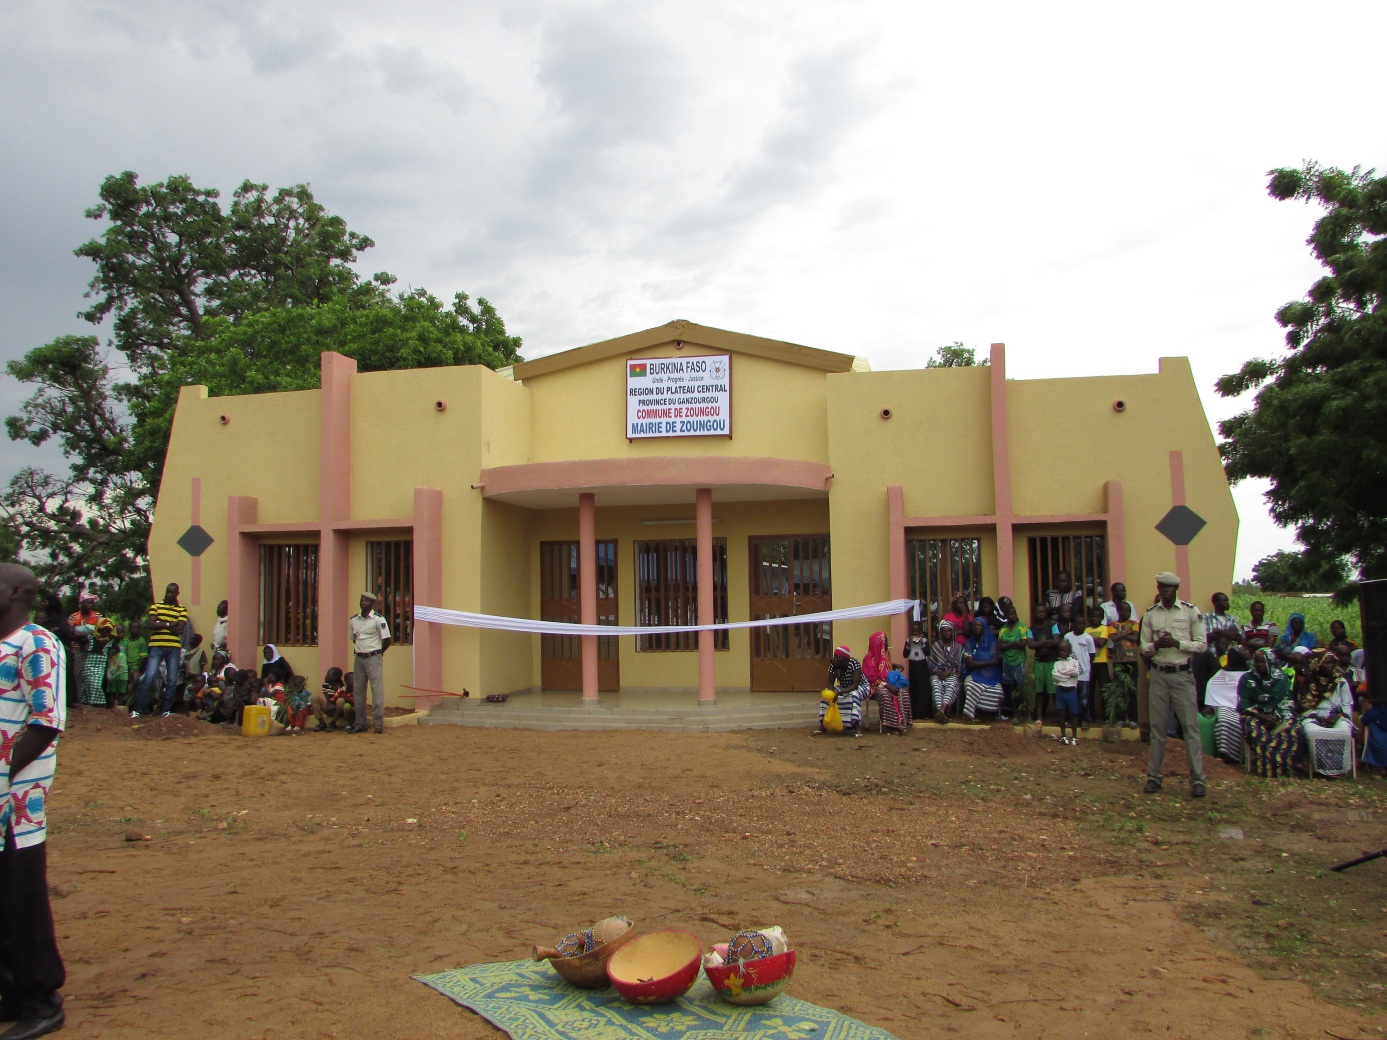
(380, 729)
(1196, 790)
(30, 1028)
(1152, 787)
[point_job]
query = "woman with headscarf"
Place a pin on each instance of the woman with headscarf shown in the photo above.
(984, 663)
(1264, 701)
(945, 670)
(849, 688)
(1293, 637)
(93, 685)
(275, 668)
(876, 665)
(960, 618)
(1326, 716)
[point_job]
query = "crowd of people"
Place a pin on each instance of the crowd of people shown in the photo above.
(160, 666)
(1280, 700)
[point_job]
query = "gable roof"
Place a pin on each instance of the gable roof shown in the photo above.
(696, 335)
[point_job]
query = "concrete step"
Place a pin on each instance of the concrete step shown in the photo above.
(696, 720)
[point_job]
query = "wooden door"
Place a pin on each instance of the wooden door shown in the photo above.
(561, 657)
(790, 575)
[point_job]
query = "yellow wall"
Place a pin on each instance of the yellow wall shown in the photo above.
(777, 411)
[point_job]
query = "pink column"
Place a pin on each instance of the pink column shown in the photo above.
(899, 585)
(428, 590)
(587, 590)
(1177, 498)
(195, 577)
(703, 521)
(243, 583)
(1001, 470)
(336, 603)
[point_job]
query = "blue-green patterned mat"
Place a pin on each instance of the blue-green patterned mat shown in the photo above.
(530, 1002)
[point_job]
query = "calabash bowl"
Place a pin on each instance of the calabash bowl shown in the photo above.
(753, 982)
(656, 967)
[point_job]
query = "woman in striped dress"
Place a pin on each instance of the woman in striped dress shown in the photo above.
(849, 688)
(1264, 701)
(945, 669)
(1222, 696)
(980, 654)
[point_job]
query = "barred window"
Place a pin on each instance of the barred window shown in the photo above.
(390, 575)
(289, 595)
(940, 569)
(667, 591)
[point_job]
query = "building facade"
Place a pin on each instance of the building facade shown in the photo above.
(678, 474)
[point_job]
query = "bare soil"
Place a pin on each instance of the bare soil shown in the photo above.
(950, 882)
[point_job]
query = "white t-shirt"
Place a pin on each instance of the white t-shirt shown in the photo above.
(1084, 649)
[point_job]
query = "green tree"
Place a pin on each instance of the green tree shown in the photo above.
(1288, 571)
(1317, 428)
(242, 300)
(956, 355)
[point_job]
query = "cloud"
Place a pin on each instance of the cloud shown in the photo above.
(823, 106)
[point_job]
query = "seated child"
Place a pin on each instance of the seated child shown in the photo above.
(296, 704)
(1067, 690)
(327, 702)
(894, 701)
(196, 694)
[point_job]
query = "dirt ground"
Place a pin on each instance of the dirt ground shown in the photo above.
(967, 882)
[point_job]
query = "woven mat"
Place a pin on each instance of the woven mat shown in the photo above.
(530, 1002)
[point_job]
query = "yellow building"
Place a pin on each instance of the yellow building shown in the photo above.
(671, 475)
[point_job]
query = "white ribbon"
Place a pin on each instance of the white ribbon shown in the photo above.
(567, 628)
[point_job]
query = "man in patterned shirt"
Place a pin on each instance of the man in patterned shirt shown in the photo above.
(32, 714)
(164, 624)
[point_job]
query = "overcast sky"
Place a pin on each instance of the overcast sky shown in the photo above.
(1084, 182)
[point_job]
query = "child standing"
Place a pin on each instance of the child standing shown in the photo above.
(1084, 651)
(1098, 669)
(1011, 641)
(1044, 638)
(1066, 676)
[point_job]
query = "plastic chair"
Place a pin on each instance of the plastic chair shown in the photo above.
(1337, 748)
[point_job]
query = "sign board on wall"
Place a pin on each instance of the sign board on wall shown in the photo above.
(679, 396)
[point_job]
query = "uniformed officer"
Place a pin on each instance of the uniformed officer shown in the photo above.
(1172, 634)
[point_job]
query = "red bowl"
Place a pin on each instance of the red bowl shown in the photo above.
(656, 967)
(753, 982)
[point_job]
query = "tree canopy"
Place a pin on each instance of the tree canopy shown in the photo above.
(1287, 571)
(955, 355)
(242, 300)
(1317, 427)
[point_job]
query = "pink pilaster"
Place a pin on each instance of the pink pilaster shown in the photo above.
(587, 589)
(243, 582)
(428, 589)
(195, 577)
(703, 526)
(1001, 469)
(335, 601)
(900, 586)
(1177, 498)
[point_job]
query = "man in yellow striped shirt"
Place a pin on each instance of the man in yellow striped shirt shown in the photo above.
(164, 625)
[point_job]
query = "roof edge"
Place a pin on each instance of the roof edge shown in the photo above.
(688, 332)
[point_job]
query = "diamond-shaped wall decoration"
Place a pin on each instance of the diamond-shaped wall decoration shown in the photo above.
(195, 541)
(1181, 524)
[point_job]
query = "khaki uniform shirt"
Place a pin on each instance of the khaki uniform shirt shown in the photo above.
(1184, 624)
(368, 633)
